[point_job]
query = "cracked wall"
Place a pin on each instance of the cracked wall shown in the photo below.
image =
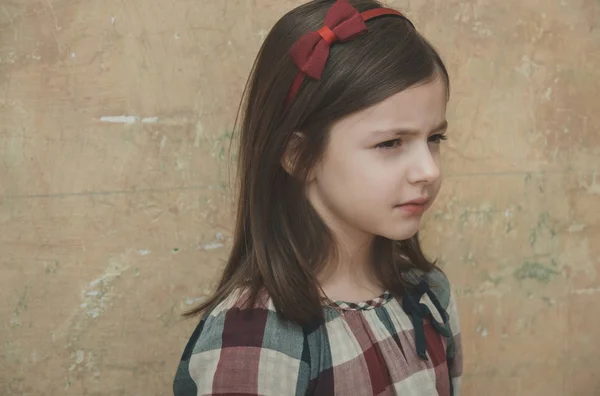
(115, 119)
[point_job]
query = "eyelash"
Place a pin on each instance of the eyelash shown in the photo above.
(438, 138)
(394, 143)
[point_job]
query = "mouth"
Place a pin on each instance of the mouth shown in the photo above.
(418, 201)
(415, 206)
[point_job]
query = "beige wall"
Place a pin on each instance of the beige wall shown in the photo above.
(111, 226)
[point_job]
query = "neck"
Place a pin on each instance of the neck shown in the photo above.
(349, 275)
(353, 255)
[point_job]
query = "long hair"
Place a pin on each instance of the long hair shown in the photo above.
(280, 243)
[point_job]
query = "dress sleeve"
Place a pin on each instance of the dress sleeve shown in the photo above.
(246, 352)
(455, 365)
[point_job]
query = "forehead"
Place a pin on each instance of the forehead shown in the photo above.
(420, 107)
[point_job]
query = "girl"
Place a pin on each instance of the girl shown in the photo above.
(327, 291)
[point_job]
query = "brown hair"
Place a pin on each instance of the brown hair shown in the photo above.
(280, 243)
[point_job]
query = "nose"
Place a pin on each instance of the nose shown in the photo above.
(424, 166)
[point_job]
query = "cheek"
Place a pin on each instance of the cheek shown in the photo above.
(354, 177)
(363, 173)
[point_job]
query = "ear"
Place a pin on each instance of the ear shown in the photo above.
(292, 151)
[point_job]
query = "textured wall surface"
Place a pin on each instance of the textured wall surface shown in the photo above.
(115, 214)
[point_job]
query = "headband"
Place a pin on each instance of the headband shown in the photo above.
(342, 23)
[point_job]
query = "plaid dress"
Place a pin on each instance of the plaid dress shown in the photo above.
(386, 346)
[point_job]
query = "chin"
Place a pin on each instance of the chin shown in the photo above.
(401, 234)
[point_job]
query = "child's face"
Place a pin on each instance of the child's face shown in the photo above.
(369, 171)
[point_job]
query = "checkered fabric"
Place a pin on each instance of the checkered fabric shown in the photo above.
(362, 349)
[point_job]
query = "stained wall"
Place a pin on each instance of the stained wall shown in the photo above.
(115, 205)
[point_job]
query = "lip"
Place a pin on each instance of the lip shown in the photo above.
(419, 201)
(415, 206)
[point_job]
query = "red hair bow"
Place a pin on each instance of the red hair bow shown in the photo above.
(342, 23)
(310, 52)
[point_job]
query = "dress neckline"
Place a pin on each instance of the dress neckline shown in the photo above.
(362, 305)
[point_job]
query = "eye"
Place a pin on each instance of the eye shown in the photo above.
(438, 138)
(390, 144)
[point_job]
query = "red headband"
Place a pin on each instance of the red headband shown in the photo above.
(342, 23)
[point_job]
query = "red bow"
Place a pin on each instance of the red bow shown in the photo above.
(310, 52)
(342, 23)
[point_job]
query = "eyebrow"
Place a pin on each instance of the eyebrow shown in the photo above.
(404, 131)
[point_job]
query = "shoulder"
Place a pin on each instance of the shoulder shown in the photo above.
(242, 348)
(236, 322)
